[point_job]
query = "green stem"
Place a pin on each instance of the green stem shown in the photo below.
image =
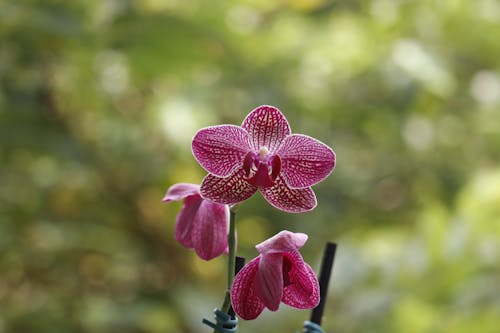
(231, 243)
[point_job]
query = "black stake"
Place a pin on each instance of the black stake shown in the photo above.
(324, 279)
(239, 263)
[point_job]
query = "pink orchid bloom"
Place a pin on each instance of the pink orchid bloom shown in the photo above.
(278, 274)
(262, 155)
(201, 225)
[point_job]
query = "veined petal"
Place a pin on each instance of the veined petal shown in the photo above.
(305, 161)
(229, 190)
(269, 280)
(179, 191)
(267, 127)
(220, 149)
(289, 200)
(303, 290)
(284, 241)
(209, 230)
(184, 220)
(245, 301)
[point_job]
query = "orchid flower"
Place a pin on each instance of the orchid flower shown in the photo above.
(262, 155)
(201, 225)
(278, 274)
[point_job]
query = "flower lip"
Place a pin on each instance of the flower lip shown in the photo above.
(261, 170)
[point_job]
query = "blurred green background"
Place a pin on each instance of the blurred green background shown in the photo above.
(99, 100)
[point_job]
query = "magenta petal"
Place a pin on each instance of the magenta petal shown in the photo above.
(220, 149)
(267, 127)
(180, 191)
(305, 161)
(209, 231)
(269, 280)
(303, 290)
(289, 200)
(284, 241)
(245, 301)
(184, 220)
(229, 190)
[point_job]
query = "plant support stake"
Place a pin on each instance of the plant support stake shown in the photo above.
(324, 279)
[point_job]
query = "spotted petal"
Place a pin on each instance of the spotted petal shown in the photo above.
(209, 231)
(303, 290)
(267, 127)
(269, 280)
(244, 299)
(184, 220)
(289, 200)
(229, 190)
(220, 149)
(305, 161)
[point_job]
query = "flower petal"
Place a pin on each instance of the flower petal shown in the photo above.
(267, 127)
(303, 290)
(185, 218)
(229, 190)
(179, 191)
(305, 161)
(269, 280)
(284, 241)
(220, 149)
(289, 200)
(209, 230)
(245, 301)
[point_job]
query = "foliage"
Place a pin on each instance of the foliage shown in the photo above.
(99, 101)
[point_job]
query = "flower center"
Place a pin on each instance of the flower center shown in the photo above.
(262, 168)
(263, 152)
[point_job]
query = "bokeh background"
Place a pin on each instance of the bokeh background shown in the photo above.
(99, 100)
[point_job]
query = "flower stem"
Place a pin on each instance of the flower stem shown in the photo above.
(231, 243)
